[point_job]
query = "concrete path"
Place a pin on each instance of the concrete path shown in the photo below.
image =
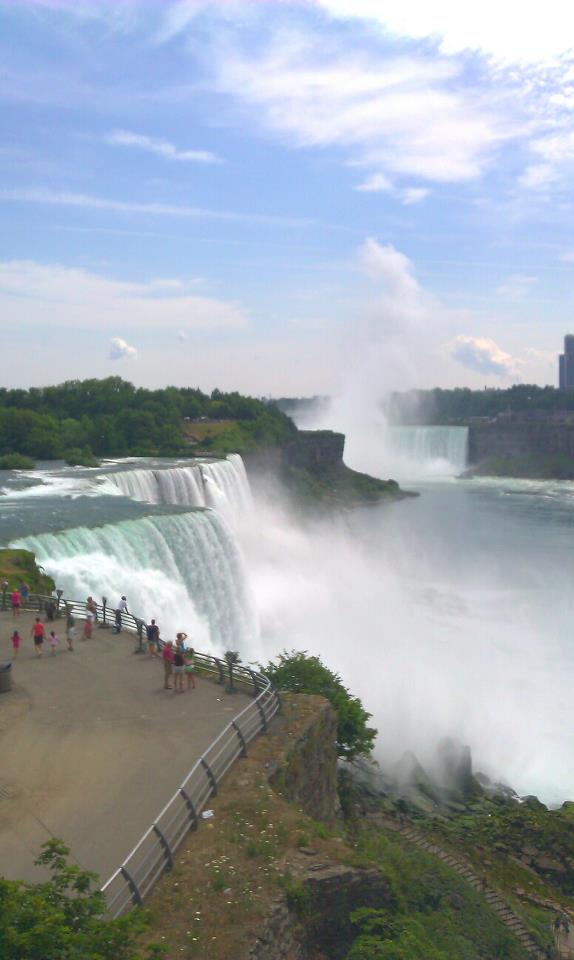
(92, 746)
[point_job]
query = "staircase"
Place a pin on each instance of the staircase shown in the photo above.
(491, 896)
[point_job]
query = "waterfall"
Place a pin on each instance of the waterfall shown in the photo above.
(184, 569)
(221, 484)
(427, 451)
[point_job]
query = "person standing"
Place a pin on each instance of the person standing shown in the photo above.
(53, 641)
(71, 635)
(15, 603)
(37, 633)
(24, 591)
(15, 643)
(88, 625)
(190, 668)
(167, 657)
(152, 632)
(178, 666)
(121, 608)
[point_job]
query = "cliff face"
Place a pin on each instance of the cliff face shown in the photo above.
(539, 448)
(313, 449)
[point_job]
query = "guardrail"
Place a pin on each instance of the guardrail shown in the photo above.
(154, 853)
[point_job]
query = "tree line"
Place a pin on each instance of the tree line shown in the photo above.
(460, 404)
(82, 419)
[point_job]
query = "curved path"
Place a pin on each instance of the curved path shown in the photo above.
(92, 746)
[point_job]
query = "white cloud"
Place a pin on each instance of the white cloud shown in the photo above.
(516, 287)
(162, 148)
(483, 355)
(67, 199)
(35, 293)
(376, 183)
(394, 115)
(509, 31)
(121, 350)
(414, 195)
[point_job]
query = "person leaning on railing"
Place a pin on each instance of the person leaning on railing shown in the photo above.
(121, 608)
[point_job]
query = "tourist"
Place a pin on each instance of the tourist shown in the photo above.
(92, 607)
(190, 668)
(121, 608)
(15, 642)
(180, 639)
(178, 665)
(71, 635)
(24, 591)
(53, 641)
(37, 634)
(152, 631)
(88, 625)
(167, 657)
(15, 601)
(50, 611)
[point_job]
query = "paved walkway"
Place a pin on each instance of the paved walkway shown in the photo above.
(92, 746)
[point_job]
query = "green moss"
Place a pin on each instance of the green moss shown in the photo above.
(17, 566)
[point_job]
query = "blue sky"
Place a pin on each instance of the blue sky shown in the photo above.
(269, 196)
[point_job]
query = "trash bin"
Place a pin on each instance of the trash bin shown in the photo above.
(5, 677)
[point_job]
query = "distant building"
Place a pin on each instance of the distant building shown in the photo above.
(566, 364)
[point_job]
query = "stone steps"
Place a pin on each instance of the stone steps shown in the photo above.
(492, 897)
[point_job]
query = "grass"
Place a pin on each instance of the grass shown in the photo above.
(20, 565)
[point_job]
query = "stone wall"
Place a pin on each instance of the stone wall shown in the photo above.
(519, 439)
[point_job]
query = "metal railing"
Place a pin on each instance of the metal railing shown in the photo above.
(154, 853)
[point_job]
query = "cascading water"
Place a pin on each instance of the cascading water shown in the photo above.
(221, 484)
(426, 451)
(184, 569)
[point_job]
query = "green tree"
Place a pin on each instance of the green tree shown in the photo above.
(301, 673)
(62, 918)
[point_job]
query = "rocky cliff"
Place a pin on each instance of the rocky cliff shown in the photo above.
(541, 447)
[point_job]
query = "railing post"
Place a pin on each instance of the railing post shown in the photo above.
(221, 670)
(241, 738)
(136, 895)
(190, 806)
(139, 627)
(4, 592)
(209, 773)
(262, 715)
(166, 847)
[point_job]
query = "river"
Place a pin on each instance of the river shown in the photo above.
(448, 614)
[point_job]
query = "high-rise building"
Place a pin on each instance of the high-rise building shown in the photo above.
(566, 364)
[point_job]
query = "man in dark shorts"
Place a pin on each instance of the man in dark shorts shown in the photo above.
(38, 636)
(152, 631)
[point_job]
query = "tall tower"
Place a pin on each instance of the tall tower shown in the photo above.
(566, 364)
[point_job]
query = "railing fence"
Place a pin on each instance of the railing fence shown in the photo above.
(154, 853)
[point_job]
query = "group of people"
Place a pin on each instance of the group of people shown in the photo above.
(178, 660)
(38, 634)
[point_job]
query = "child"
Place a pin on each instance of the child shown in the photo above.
(71, 635)
(189, 668)
(15, 642)
(53, 641)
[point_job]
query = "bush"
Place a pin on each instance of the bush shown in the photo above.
(61, 919)
(80, 457)
(16, 461)
(301, 673)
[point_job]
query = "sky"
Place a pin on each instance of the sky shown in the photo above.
(268, 195)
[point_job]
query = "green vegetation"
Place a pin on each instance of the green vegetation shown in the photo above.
(429, 913)
(61, 919)
(81, 420)
(16, 461)
(17, 566)
(458, 405)
(337, 485)
(300, 673)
